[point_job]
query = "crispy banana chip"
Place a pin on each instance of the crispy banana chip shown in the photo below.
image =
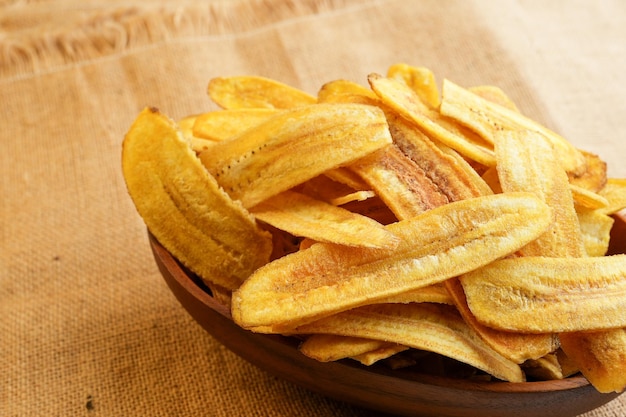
(593, 178)
(331, 347)
(518, 347)
(439, 244)
(304, 216)
(526, 163)
(184, 207)
(587, 198)
(384, 352)
(399, 182)
(340, 91)
(615, 194)
(545, 368)
(431, 327)
(488, 118)
(595, 229)
(293, 147)
(495, 95)
(225, 124)
(601, 357)
(451, 174)
(406, 102)
(419, 79)
(256, 92)
(572, 294)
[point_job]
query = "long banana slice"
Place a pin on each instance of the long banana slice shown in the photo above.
(293, 147)
(571, 294)
(331, 347)
(406, 102)
(256, 92)
(224, 124)
(600, 357)
(441, 243)
(518, 347)
(488, 118)
(452, 176)
(419, 79)
(399, 182)
(526, 163)
(184, 207)
(305, 216)
(432, 327)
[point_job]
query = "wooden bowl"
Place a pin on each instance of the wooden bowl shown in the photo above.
(377, 387)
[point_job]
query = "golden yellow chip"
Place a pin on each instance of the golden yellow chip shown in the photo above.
(419, 79)
(489, 118)
(256, 92)
(304, 216)
(601, 357)
(225, 124)
(432, 327)
(293, 147)
(572, 294)
(184, 207)
(405, 102)
(526, 163)
(439, 244)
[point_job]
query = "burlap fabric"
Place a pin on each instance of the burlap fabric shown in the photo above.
(87, 325)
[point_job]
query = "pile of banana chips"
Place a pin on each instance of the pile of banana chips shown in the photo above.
(372, 221)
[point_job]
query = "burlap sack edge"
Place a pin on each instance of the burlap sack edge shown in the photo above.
(116, 29)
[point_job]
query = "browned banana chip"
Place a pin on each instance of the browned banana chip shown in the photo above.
(450, 174)
(439, 244)
(184, 207)
(526, 163)
(572, 294)
(399, 182)
(304, 216)
(546, 368)
(256, 92)
(431, 327)
(293, 147)
(488, 118)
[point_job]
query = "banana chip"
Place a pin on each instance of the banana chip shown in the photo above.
(256, 92)
(431, 327)
(381, 223)
(572, 294)
(304, 216)
(439, 244)
(488, 119)
(184, 208)
(260, 162)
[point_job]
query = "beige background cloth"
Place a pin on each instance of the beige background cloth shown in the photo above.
(87, 325)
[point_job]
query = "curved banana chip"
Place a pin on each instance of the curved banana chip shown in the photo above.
(184, 208)
(441, 243)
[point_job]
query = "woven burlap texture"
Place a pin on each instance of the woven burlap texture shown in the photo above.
(87, 324)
